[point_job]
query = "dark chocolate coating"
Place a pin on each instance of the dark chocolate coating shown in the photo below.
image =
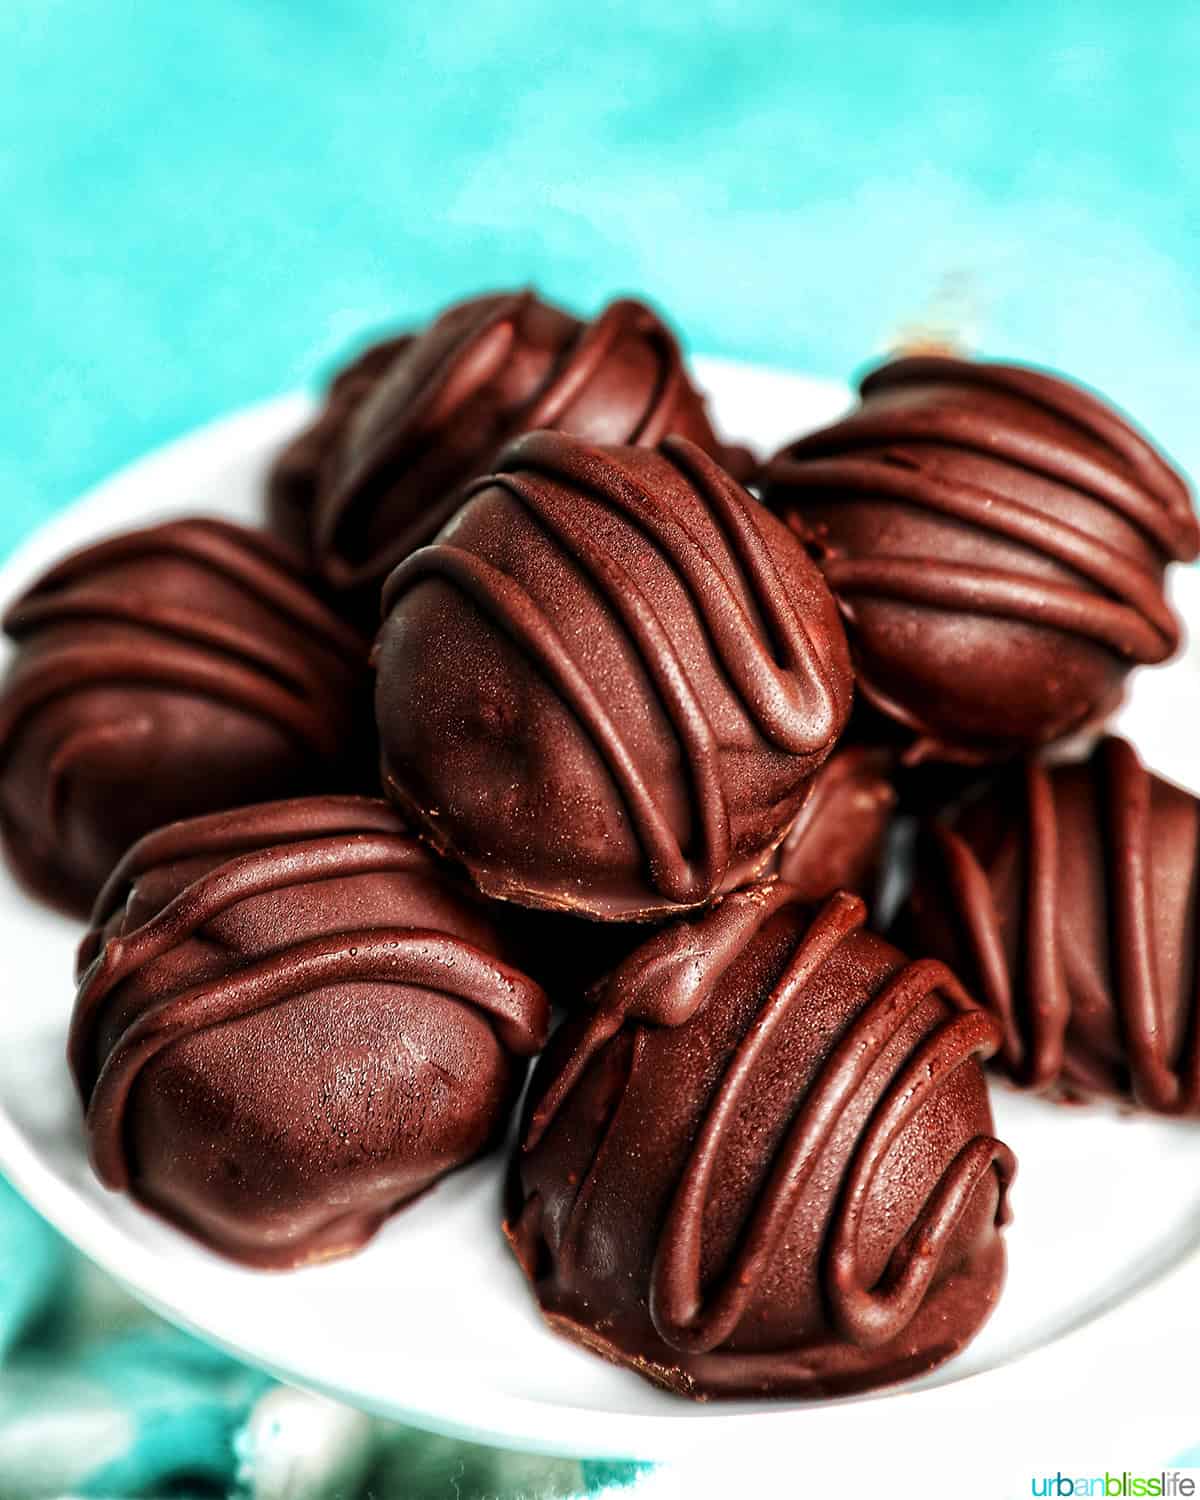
(996, 539)
(298, 472)
(606, 685)
(484, 372)
(569, 955)
(161, 674)
(837, 842)
(291, 1021)
(1066, 897)
(765, 1165)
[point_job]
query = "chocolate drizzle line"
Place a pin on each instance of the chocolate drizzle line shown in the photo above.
(240, 831)
(1035, 1037)
(465, 368)
(1138, 624)
(515, 1006)
(1137, 481)
(296, 472)
(664, 982)
(243, 556)
(403, 956)
(596, 341)
(177, 649)
(697, 1320)
(789, 698)
(864, 455)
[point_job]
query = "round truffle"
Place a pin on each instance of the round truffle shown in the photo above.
(837, 843)
(765, 1166)
(996, 540)
(161, 674)
(291, 1021)
(298, 472)
(484, 372)
(1066, 898)
(605, 687)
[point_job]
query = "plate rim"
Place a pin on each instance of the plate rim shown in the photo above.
(971, 1402)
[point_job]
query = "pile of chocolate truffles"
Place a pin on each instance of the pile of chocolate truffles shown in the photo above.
(533, 700)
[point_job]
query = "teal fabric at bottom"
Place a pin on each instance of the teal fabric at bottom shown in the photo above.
(599, 1474)
(101, 1400)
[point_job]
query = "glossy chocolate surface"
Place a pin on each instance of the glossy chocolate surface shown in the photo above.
(299, 471)
(996, 538)
(604, 688)
(290, 1022)
(160, 674)
(837, 843)
(765, 1165)
(1066, 898)
(402, 434)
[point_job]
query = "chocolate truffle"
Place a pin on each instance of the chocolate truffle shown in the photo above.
(605, 687)
(765, 1165)
(569, 955)
(1066, 898)
(484, 372)
(291, 1021)
(837, 842)
(296, 475)
(996, 539)
(160, 674)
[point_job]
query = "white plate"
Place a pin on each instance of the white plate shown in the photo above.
(433, 1322)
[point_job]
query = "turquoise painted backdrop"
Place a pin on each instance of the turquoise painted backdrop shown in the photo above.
(203, 201)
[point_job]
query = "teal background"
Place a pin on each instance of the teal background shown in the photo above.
(203, 201)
